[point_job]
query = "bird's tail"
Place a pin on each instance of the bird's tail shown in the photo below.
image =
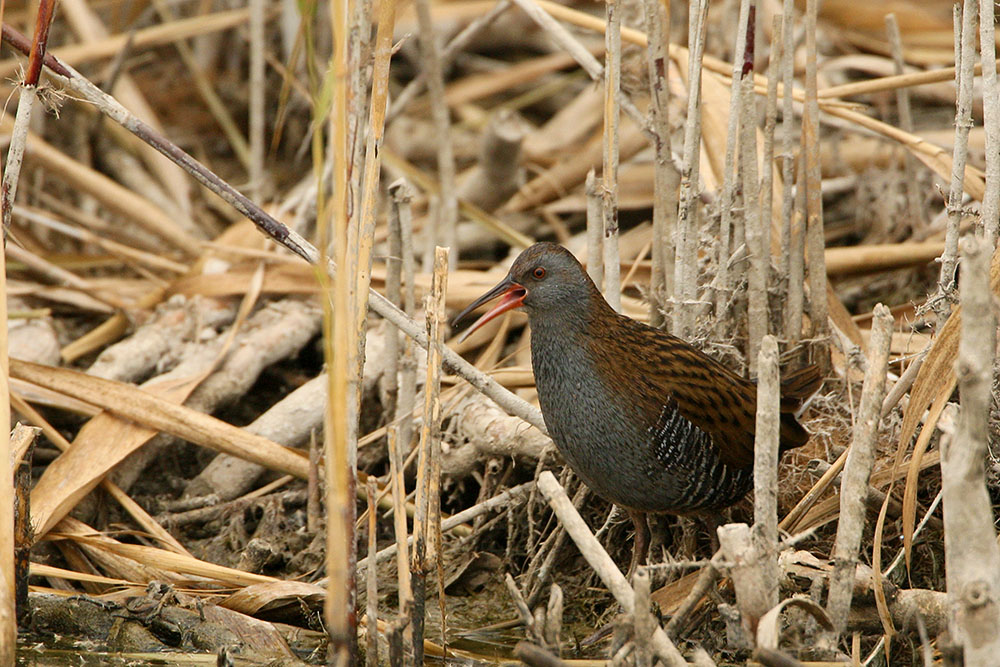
(797, 388)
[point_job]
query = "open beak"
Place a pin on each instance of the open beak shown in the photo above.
(513, 297)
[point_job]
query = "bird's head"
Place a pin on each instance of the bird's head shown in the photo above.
(545, 278)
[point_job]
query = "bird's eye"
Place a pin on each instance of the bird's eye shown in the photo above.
(539, 272)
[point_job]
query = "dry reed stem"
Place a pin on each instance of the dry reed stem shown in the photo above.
(22, 442)
(990, 211)
(609, 174)
(965, 43)
(857, 471)
(788, 160)
(445, 225)
(973, 564)
(815, 241)
(363, 225)
(911, 186)
(595, 243)
(765, 463)
(642, 618)
(929, 154)
(371, 652)
(601, 562)
(795, 298)
(339, 608)
(756, 223)
(8, 545)
(426, 519)
(769, 170)
(666, 177)
(727, 203)
(258, 98)
(398, 485)
(686, 234)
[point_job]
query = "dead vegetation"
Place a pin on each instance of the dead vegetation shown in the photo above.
(184, 493)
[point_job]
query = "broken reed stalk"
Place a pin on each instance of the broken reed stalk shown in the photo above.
(723, 283)
(990, 210)
(442, 229)
(8, 191)
(665, 175)
(754, 223)
(609, 175)
(371, 652)
(314, 506)
(601, 562)
(748, 568)
(911, 185)
(22, 439)
(965, 56)
(425, 547)
(972, 566)
(642, 618)
(765, 464)
(787, 159)
(341, 618)
(595, 229)
(815, 240)
(686, 234)
(857, 471)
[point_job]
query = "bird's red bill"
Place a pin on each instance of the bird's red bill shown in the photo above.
(513, 297)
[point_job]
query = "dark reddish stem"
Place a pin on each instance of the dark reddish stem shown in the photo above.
(36, 58)
(749, 50)
(21, 43)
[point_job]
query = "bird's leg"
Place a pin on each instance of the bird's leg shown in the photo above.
(641, 547)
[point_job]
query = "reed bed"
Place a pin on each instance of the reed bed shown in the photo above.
(234, 239)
